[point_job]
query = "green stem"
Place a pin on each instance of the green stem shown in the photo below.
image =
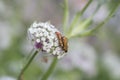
(30, 54)
(107, 18)
(84, 25)
(50, 69)
(27, 65)
(90, 32)
(77, 16)
(66, 14)
(86, 6)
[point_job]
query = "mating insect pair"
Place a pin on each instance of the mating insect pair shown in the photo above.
(62, 41)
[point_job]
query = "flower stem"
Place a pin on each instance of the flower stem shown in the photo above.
(66, 15)
(92, 31)
(50, 69)
(77, 17)
(27, 65)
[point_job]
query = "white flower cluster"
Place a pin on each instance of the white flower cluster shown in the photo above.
(44, 38)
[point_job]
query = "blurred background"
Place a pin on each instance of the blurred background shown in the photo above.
(89, 58)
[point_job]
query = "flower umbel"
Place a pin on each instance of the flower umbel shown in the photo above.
(44, 39)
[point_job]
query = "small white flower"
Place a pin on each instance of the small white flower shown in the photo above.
(56, 44)
(37, 40)
(37, 35)
(60, 56)
(41, 34)
(48, 50)
(34, 24)
(31, 30)
(44, 38)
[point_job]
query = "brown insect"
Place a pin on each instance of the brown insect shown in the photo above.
(65, 43)
(62, 41)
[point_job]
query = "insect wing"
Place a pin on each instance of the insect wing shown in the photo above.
(65, 43)
(59, 36)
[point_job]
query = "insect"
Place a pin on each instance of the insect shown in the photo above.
(65, 43)
(62, 41)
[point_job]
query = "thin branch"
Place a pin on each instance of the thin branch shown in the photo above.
(90, 32)
(50, 69)
(26, 66)
(66, 15)
(77, 16)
